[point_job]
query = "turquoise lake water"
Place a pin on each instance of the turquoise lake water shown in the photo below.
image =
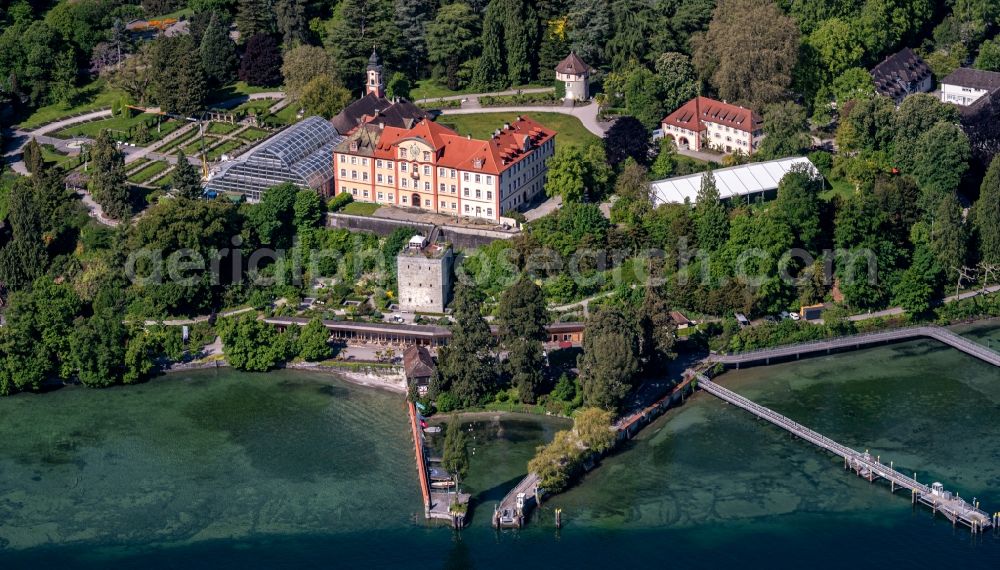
(219, 469)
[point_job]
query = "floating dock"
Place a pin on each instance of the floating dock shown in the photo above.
(954, 508)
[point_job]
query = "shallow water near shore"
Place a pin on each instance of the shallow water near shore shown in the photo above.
(220, 469)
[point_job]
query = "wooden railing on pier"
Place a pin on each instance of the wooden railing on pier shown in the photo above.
(940, 334)
(956, 510)
(418, 445)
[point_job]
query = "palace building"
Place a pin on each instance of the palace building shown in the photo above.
(707, 123)
(431, 167)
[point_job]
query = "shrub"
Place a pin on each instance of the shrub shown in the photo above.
(339, 201)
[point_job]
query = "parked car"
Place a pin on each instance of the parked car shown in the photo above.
(771, 319)
(795, 316)
(785, 315)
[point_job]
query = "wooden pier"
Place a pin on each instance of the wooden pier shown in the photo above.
(940, 334)
(512, 512)
(955, 509)
(437, 504)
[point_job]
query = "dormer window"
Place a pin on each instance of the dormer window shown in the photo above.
(477, 163)
(402, 153)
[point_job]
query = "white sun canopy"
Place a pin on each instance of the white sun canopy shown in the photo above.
(732, 182)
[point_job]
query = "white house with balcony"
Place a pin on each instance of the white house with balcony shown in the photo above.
(965, 86)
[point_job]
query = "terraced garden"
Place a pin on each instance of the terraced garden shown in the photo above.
(149, 171)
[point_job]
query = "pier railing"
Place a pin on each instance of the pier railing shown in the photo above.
(937, 333)
(956, 509)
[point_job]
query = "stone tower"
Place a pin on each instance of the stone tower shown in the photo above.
(375, 83)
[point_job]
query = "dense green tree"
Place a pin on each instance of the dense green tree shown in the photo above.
(711, 219)
(854, 83)
(414, 16)
(609, 361)
(798, 206)
(867, 125)
(322, 96)
(915, 288)
(301, 65)
(916, 115)
(455, 457)
(787, 130)
(178, 82)
(271, 220)
(261, 63)
(987, 215)
(314, 342)
(354, 29)
(23, 258)
(254, 17)
(98, 349)
(941, 157)
(467, 365)
(185, 180)
(633, 27)
(252, 345)
(33, 159)
(642, 96)
(108, 181)
(290, 22)
(398, 86)
(589, 28)
(510, 44)
(626, 138)
(836, 46)
(451, 38)
(308, 210)
(678, 82)
(522, 313)
(566, 176)
(656, 329)
(524, 364)
(753, 77)
(218, 52)
(665, 162)
(989, 55)
(948, 235)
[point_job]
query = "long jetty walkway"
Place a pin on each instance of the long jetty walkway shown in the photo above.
(513, 509)
(952, 507)
(857, 341)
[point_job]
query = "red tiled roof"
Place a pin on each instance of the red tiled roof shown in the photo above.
(494, 155)
(702, 109)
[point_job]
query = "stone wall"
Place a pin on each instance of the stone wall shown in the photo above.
(459, 237)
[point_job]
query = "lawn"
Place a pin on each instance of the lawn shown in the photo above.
(222, 149)
(481, 125)
(288, 115)
(165, 181)
(222, 128)
(360, 208)
(257, 107)
(90, 97)
(839, 187)
(120, 127)
(431, 89)
(237, 89)
(195, 145)
(186, 137)
(254, 134)
(149, 172)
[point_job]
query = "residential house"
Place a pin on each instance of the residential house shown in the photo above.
(902, 73)
(706, 123)
(966, 86)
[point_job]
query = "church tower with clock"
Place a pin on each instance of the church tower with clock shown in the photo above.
(375, 83)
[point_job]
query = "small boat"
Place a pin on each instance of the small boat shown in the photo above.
(432, 429)
(442, 484)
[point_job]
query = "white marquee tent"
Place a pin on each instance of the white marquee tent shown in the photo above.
(733, 182)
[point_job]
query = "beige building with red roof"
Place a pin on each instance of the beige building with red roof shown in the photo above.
(431, 167)
(707, 123)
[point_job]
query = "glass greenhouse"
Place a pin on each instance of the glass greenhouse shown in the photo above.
(301, 154)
